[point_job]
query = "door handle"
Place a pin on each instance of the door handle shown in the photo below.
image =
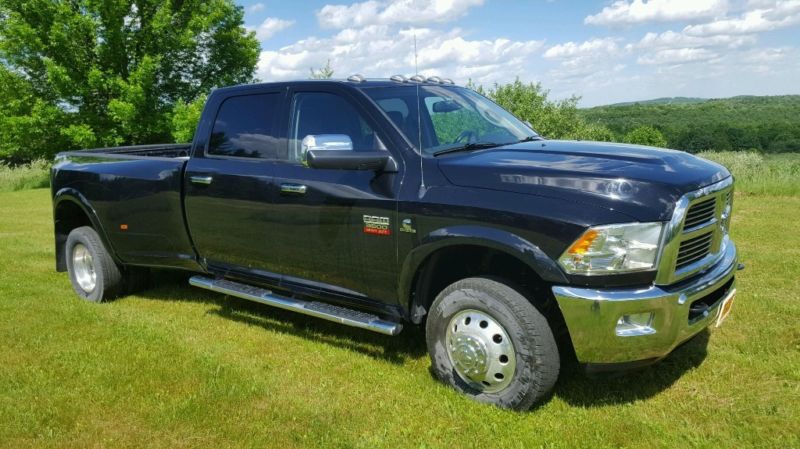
(205, 180)
(293, 189)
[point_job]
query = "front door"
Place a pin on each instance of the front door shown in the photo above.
(335, 228)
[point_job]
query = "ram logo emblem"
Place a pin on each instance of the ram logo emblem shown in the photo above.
(376, 225)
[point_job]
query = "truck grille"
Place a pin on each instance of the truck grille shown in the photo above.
(693, 250)
(700, 213)
(698, 233)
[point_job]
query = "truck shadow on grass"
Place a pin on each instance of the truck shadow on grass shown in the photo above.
(574, 386)
(410, 344)
(577, 388)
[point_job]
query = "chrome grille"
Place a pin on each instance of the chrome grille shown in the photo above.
(700, 213)
(697, 234)
(693, 250)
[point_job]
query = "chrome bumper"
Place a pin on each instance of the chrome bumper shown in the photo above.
(592, 314)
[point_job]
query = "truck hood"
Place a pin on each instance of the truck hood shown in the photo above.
(641, 182)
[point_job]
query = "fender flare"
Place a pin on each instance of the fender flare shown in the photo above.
(69, 194)
(525, 251)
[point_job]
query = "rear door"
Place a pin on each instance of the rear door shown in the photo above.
(228, 184)
(335, 228)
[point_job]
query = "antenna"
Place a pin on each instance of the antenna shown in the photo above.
(422, 187)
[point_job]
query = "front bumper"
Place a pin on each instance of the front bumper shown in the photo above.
(592, 314)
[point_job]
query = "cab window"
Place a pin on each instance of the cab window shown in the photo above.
(315, 113)
(244, 127)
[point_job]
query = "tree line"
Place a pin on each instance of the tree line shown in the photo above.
(765, 124)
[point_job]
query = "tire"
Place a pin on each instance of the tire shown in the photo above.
(515, 333)
(93, 273)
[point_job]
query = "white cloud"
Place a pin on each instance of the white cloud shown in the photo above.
(374, 12)
(624, 12)
(677, 56)
(254, 8)
(671, 39)
(381, 51)
(778, 15)
(591, 64)
(270, 27)
(592, 47)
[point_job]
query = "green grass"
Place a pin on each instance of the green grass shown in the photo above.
(179, 367)
(29, 176)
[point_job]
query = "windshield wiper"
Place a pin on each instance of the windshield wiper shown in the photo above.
(530, 139)
(468, 147)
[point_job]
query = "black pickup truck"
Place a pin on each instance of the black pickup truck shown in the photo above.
(375, 203)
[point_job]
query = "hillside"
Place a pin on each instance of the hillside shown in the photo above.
(770, 124)
(664, 100)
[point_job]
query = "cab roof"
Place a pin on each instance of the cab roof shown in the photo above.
(366, 83)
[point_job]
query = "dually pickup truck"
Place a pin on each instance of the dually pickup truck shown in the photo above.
(379, 203)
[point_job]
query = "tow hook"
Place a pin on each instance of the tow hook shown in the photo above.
(740, 267)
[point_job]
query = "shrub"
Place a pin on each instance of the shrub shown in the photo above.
(646, 135)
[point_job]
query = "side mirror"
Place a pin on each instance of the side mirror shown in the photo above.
(352, 160)
(327, 142)
(335, 151)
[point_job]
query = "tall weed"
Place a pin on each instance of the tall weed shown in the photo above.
(29, 176)
(758, 174)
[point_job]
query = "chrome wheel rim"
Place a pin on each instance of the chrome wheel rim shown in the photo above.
(83, 266)
(481, 351)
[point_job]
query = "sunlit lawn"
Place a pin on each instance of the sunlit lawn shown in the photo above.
(178, 367)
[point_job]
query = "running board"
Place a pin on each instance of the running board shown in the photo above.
(329, 312)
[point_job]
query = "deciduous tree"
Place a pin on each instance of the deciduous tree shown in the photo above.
(106, 72)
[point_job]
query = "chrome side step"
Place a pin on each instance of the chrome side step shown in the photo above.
(329, 312)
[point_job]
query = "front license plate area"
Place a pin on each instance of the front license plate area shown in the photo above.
(725, 308)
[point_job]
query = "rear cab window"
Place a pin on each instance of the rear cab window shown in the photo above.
(245, 128)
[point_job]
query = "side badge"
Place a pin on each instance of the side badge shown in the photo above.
(376, 225)
(407, 226)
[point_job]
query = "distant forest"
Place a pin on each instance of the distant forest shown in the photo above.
(766, 124)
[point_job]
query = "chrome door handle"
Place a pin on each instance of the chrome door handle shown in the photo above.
(293, 189)
(205, 180)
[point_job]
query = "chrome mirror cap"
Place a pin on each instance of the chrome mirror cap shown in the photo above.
(325, 142)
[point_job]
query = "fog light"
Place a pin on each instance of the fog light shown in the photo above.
(635, 325)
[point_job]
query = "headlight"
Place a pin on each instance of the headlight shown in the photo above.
(611, 249)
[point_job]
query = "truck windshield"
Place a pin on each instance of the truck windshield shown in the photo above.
(450, 117)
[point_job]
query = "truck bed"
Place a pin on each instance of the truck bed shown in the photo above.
(136, 193)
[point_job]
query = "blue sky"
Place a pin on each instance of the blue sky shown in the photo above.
(603, 51)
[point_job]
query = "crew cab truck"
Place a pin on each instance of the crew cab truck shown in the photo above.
(379, 203)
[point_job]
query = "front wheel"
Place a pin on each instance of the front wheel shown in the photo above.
(488, 341)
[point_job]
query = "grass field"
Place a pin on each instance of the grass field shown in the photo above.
(178, 367)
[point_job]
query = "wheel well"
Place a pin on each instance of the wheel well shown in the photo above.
(68, 216)
(451, 264)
